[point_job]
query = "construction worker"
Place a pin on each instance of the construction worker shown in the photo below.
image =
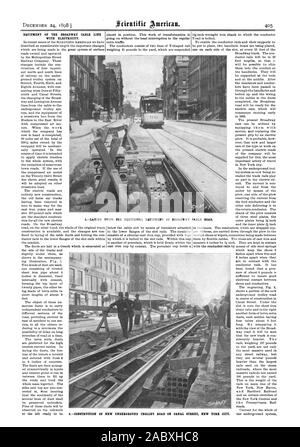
(223, 312)
(130, 311)
(148, 318)
(123, 312)
(209, 315)
(137, 307)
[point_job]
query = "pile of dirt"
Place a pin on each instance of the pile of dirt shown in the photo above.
(81, 185)
(211, 390)
(218, 391)
(85, 342)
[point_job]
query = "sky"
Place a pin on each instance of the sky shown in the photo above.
(141, 75)
(209, 272)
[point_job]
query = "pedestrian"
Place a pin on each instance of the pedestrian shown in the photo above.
(208, 313)
(95, 111)
(123, 312)
(137, 307)
(148, 316)
(80, 115)
(130, 311)
(224, 312)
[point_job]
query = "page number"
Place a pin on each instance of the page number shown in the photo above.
(268, 25)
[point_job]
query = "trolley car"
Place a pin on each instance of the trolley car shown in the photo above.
(151, 109)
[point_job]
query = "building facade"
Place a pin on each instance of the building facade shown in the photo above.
(149, 277)
(173, 288)
(207, 83)
(175, 86)
(169, 87)
(117, 68)
(188, 293)
(88, 272)
(86, 84)
(158, 92)
(182, 86)
(111, 92)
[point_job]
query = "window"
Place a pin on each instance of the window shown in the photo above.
(94, 284)
(72, 276)
(88, 283)
(79, 277)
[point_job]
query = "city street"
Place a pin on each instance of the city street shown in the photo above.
(168, 363)
(90, 324)
(197, 150)
(207, 136)
(175, 158)
(80, 139)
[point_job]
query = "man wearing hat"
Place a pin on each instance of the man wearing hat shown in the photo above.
(137, 307)
(130, 311)
(123, 312)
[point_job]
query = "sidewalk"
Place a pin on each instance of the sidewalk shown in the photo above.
(207, 123)
(86, 341)
(85, 128)
(80, 131)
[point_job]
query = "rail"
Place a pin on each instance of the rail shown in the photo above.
(134, 382)
(86, 383)
(79, 362)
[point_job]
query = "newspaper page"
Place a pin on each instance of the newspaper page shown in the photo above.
(147, 176)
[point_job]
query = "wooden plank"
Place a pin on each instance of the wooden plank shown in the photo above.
(129, 139)
(184, 363)
(113, 173)
(103, 322)
(105, 181)
(213, 349)
(192, 339)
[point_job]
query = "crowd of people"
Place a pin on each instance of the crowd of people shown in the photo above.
(130, 312)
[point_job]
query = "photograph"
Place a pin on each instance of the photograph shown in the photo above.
(149, 330)
(148, 134)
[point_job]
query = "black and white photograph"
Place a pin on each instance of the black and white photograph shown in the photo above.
(149, 330)
(148, 133)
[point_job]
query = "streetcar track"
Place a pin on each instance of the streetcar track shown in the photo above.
(104, 390)
(197, 133)
(105, 363)
(221, 177)
(100, 355)
(195, 145)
